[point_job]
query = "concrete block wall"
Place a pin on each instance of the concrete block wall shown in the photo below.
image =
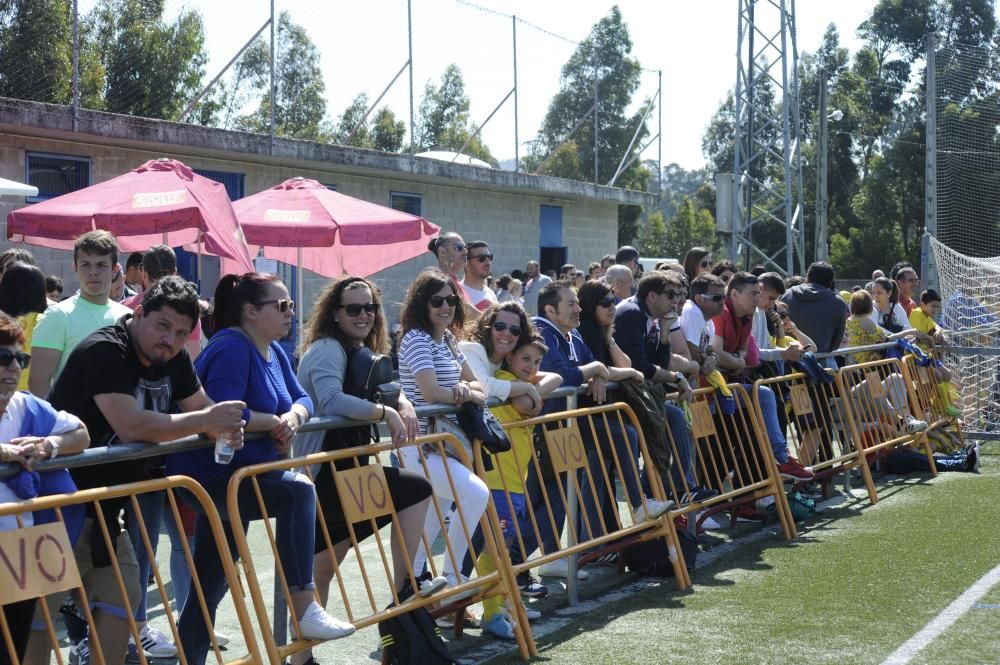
(508, 221)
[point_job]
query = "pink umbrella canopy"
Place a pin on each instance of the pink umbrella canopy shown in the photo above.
(162, 201)
(335, 233)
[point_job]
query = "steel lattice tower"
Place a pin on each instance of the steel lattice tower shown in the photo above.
(767, 161)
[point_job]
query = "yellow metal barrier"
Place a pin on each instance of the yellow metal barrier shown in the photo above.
(732, 455)
(365, 497)
(877, 403)
(927, 392)
(48, 569)
(817, 427)
(578, 456)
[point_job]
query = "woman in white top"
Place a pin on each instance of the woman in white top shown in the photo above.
(493, 335)
(433, 370)
(888, 314)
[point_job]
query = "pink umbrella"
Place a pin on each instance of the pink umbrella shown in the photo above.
(303, 223)
(161, 201)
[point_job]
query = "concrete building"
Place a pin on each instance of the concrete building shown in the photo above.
(517, 214)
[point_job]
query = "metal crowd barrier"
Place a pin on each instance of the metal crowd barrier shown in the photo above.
(579, 456)
(47, 567)
(876, 400)
(364, 496)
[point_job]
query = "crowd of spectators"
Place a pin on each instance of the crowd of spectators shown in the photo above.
(125, 359)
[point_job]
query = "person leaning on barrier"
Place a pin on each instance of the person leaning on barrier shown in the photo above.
(348, 317)
(642, 330)
(731, 341)
(433, 370)
(243, 363)
(772, 287)
(31, 430)
(131, 382)
(817, 309)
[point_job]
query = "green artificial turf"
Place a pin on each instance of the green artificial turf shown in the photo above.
(857, 583)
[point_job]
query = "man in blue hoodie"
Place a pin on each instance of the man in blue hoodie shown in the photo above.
(817, 309)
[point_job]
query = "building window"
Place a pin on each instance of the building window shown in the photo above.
(411, 203)
(235, 183)
(54, 175)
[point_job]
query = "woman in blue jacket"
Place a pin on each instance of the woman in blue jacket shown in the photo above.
(244, 361)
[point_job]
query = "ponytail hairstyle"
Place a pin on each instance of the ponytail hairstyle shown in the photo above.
(235, 291)
(436, 243)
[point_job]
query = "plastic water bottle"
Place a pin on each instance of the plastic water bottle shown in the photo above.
(223, 449)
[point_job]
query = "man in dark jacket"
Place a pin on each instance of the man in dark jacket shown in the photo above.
(817, 309)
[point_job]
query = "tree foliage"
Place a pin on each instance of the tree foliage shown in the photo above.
(690, 226)
(443, 121)
(380, 130)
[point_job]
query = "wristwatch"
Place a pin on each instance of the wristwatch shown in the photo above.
(53, 447)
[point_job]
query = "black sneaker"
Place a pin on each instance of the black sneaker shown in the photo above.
(702, 493)
(534, 589)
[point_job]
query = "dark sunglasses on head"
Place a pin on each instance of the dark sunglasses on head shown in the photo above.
(714, 297)
(673, 295)
(606, 301)
(7, 357)
(355, 308)
(514, 329)
(482, 258)
(284, 304)
(437, 301)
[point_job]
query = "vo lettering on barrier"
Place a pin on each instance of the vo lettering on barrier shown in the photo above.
(36, 561)
(566, 447)
(364, 493)
(801, 402)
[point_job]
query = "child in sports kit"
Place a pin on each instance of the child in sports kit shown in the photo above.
(924, 318)
(510, 469)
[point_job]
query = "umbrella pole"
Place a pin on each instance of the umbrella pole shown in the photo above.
(298, 294)
(199, 262)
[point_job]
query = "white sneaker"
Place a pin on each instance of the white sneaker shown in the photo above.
(911, 425)
(560, 568)
(156, 642)
(652, 509)
(316, 624)
(221, 639)
(430, 586)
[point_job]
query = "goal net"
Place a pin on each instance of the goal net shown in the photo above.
(970, 317)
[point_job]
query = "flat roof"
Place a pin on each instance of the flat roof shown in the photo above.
(36, 119)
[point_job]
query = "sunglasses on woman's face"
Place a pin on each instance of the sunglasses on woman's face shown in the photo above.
(459, 246)
(607, 302)
(706, 264)
(783, 315)
(514, 329)
(355, 308)
(437, 301)
(284, 304)
(7, 357)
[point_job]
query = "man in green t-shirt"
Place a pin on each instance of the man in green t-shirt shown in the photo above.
(63, 326)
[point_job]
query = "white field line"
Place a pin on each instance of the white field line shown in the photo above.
(944, 620)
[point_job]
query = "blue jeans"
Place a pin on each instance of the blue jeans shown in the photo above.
(290, 499)
(775, 433)
(549, 540)
(151, 506)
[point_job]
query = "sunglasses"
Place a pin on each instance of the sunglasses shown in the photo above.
(674, 295)
(459, 246)
(706, 264)
(715, 297)
(284, 304)
(514, 329)
(783, 315)
(482, 258)
(7, 357)
(355, 308)
(607, 301)
(437, 301)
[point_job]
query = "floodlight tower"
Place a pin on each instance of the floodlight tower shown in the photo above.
(767, 162)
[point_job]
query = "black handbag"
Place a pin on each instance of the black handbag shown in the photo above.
(478, 422)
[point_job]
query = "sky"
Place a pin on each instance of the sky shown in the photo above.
(363, 44)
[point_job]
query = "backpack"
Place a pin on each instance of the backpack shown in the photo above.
(369, 376)
(651, 557)
(412, 638)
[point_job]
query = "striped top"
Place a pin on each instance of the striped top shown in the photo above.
(418, 352)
